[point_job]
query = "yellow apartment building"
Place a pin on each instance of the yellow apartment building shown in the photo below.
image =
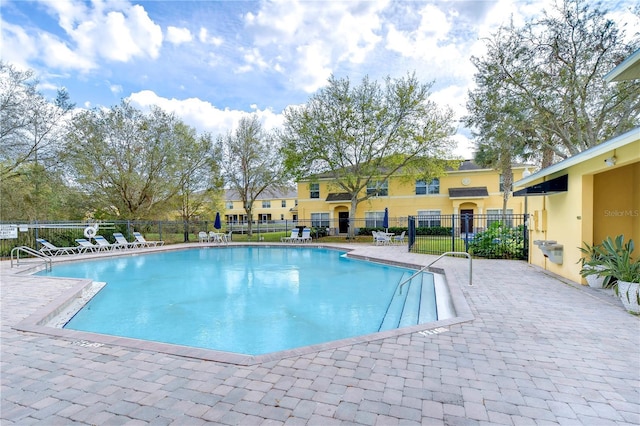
(585, 198)
(272, 205)
(470, 190)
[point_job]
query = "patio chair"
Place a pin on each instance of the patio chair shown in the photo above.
(227, 237)
(52, 250)
(120, 239)
(88, 245)
(399, 239)
(381, 238)
(102, 242)
(215, 237)
(203, 237)
(290, 238)
(144, 243)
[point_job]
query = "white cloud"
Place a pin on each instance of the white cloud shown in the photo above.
(204, 37)
(177, 35)
(115, 89)
(204, 116)
(59, 55)
(115, 30)
(18, 47)
(312, 39)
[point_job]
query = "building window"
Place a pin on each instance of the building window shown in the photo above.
(314, 189)
(283, 203)
(428, 218)
(320, 220)
(432, 187)
(495, 215)
(373, 219)
(378, 188)
(229, 205)
(502, 184)
(266, 204)
(264, 217)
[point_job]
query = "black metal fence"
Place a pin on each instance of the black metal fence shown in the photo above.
(483, 235)
(494, 236)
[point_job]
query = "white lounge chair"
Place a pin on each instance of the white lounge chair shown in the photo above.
(102, 242)
(144, 242)
(120, 239)
(203, 237)
(52, 250)
(227, 237)
(305, 237)
(290, 238)
(88, 245)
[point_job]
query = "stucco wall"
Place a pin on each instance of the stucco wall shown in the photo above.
(601, 201)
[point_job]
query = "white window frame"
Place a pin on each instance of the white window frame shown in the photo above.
(266, 204)
(373, 219)
(320, 220)
(429, 218)
(429, 188)
(495, 215)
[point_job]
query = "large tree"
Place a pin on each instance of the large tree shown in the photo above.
(359, 135)
(31, 135)
(198, 176)
(127, 160)
(250, 163)
(552, 69)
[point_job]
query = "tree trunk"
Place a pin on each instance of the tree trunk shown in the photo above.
(352, 219)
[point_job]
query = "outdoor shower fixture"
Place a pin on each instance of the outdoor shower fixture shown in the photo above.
(551, 250)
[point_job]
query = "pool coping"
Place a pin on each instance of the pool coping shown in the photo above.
(38, 321)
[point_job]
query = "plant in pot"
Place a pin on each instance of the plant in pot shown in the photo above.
(617, 262)
(591, 266)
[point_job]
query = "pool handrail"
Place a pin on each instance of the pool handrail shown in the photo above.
(26, 249)
(456, 253)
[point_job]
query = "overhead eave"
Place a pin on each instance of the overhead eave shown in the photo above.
(629, 69)
(605, 147)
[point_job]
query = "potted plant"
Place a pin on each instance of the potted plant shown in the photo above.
(617, 262)
(591, 266)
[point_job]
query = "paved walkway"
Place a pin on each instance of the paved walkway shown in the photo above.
(533, 349)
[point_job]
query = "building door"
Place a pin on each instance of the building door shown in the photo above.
(343, 222)
(466, 221)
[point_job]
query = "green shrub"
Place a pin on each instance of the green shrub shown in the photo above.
(499, 242)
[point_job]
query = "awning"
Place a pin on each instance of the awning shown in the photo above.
(338, 197)
(549, 187)
(474, 192)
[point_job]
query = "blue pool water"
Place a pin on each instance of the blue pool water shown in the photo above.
(251, 300)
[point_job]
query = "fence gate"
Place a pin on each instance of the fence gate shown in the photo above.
(493, 236)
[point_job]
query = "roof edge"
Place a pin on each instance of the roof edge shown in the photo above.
(621, 140)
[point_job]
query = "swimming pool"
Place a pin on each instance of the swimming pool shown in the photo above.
(250, 300)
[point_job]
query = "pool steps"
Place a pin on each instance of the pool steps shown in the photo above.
(414, 306)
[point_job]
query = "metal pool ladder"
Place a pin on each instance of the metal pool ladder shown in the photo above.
(15, 253)
(456, 253)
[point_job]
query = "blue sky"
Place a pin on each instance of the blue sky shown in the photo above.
(210, 62)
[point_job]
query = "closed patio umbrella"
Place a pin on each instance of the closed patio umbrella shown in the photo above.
(217, 224)
(385, 220)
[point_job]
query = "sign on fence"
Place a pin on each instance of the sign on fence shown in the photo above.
(8, 232)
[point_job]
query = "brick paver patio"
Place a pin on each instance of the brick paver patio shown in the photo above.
(531, 349)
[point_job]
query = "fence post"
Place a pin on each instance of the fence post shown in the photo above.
(453, 232)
